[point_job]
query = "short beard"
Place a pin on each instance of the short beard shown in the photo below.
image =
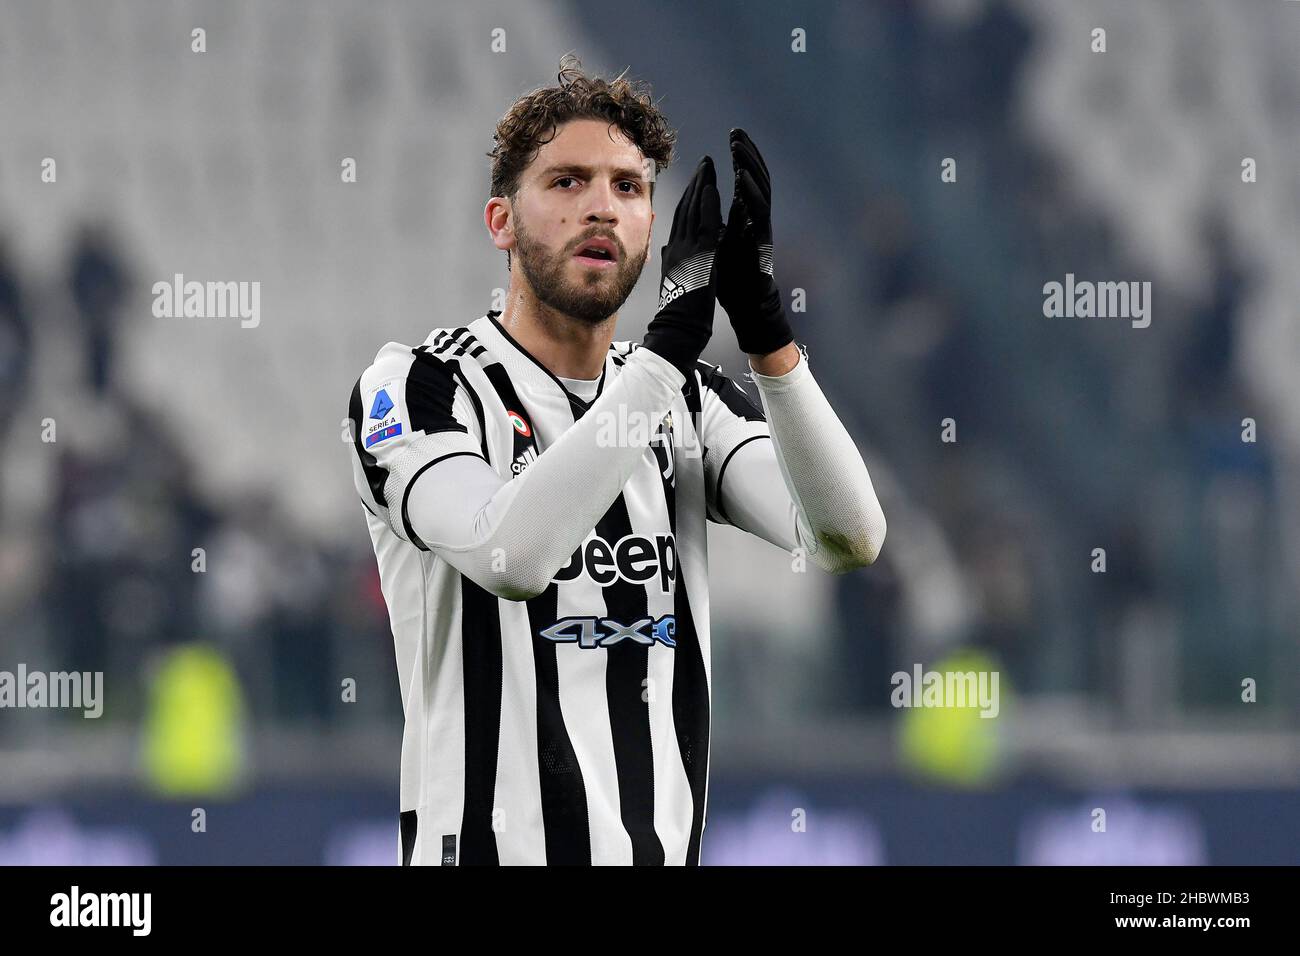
(592, 301)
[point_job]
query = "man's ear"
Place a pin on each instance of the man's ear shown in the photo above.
(498, 216)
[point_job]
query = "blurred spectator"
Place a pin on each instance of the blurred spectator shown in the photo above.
(15, 345)
(99, 286)
(126, 517)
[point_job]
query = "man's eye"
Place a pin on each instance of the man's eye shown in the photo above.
(636, 187)
(563, 178)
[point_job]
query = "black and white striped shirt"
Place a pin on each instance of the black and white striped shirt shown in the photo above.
(564, 720)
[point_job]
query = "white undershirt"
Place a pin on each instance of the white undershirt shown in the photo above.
(584, 388)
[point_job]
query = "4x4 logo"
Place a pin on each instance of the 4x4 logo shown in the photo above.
(584, 631)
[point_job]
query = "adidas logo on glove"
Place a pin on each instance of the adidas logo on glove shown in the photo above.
(670, 290)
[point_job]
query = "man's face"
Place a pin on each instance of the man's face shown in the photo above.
(589, 182)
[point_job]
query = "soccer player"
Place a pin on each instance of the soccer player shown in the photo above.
(537, 493)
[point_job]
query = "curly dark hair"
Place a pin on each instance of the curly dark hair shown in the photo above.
(536, 117)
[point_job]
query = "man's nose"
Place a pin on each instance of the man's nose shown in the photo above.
(601, 207)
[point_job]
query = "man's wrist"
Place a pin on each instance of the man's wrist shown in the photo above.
(776, 363)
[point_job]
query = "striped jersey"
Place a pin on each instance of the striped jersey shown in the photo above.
(572, 727)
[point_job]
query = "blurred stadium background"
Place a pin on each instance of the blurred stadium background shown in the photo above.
(1120, 690)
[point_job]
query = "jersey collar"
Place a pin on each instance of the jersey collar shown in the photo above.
(576, 403)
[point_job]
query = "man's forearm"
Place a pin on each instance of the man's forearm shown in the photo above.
(510, 537)
(839, 514)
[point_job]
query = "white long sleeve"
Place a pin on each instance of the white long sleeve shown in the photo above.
(808, 486)
(508, 536)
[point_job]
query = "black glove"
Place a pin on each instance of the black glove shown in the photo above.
(682, 326)
(746, 287)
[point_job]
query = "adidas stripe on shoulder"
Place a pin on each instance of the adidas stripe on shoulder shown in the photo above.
(410, 409)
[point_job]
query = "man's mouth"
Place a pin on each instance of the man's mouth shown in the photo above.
(597, 252)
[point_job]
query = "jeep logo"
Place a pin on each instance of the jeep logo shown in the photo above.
(636, 559)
